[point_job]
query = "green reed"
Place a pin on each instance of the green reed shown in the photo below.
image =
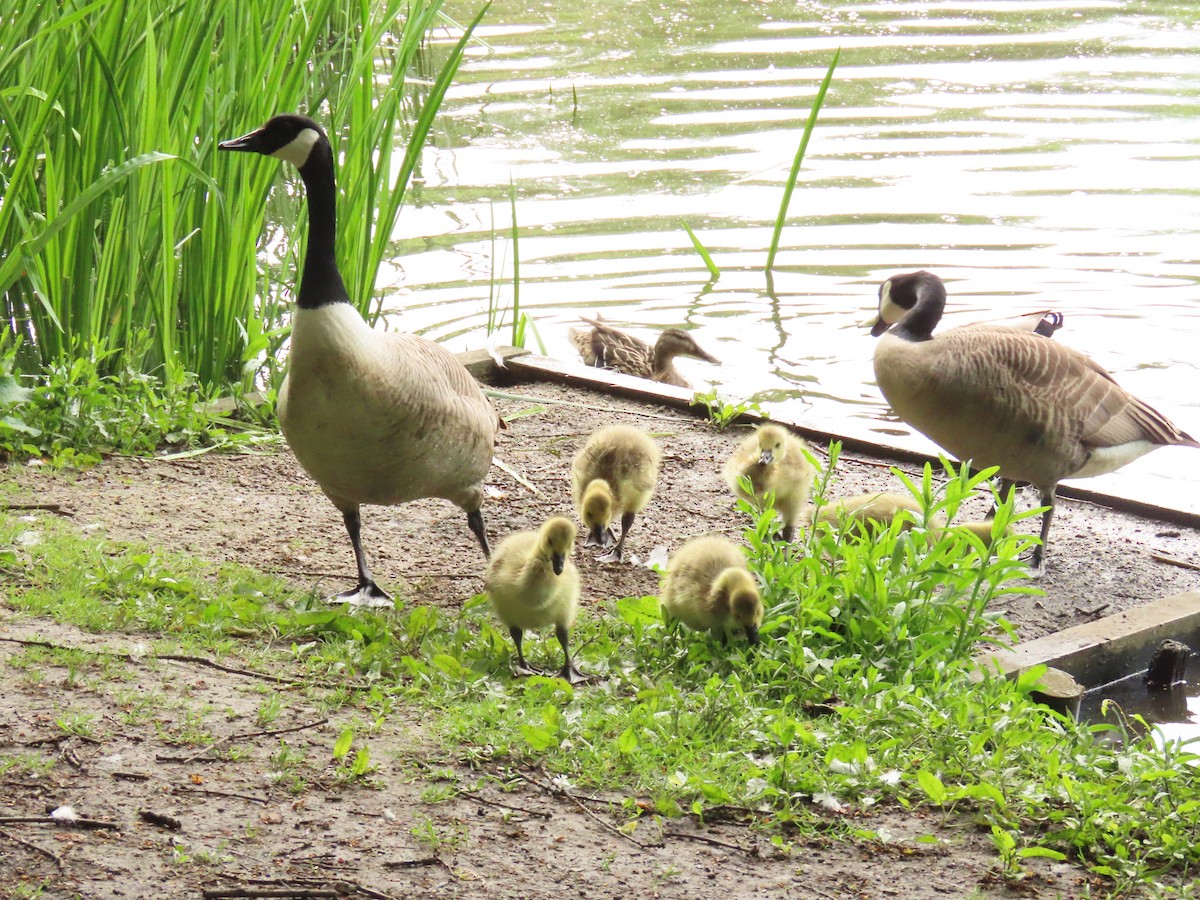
(122, 227)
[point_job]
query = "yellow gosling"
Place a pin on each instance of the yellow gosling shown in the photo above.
(709, 588)
(616, 471)
(776, 463)
(532, 583)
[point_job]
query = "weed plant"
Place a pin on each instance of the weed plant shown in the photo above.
(861, 695)
(126, 236)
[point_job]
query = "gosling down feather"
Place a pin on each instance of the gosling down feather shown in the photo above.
(776, 462)
(709, 588)
(879, 510)
(1004, 397)
(894, 305)
(532, 583)
(616, 470)
(606, 347)
(373, 417)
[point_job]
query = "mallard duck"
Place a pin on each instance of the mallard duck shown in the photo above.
(775, 461)
(606, 347)
(616, 470)
(892, 308)
(709, 588)
(373, 417)
(532, 583)
(1003, 397)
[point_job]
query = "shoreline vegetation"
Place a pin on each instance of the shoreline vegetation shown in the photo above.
(127, 289)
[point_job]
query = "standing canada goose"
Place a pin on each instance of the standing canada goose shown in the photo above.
(709, 588)
(532, 583)
(616, 470)
(775, 461)
(373, 417)
(606, 347)
(894, 306)
(1002, 397)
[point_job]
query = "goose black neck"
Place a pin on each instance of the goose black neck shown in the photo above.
(929, 301)
(321, 282)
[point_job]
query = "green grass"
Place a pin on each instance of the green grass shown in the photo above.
(127, 237)
(860, 695)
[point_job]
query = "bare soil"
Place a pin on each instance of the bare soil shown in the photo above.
(243, 827)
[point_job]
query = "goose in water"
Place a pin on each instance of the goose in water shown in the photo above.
(373, 417)
(606, 347)
(1005, 397)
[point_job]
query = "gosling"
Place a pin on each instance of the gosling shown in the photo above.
(532, 583)
(708, 588)
(776, 462)
(617, 469)
(878, 510)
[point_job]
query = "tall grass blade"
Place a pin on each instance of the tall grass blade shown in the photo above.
(790, 186)
(703, 251)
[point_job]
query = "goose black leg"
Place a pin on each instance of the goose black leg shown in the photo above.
(616, 553)
(1006, 489)
(1037, 562)
(475, 523)
(367, 592)
(569, 673)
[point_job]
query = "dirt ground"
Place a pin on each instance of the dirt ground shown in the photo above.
(241, 828)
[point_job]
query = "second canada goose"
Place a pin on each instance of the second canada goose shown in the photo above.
(894, 305)
(373, 417)
(998, 396)
(617, 469)
(532, 583)
(609, 348)
(709, 588)
(775, 461)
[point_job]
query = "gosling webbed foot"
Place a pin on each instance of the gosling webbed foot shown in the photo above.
(572, 675)
(524, 670)
(615, 555)
(603, 539)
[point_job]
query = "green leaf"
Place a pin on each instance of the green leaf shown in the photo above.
(342, 746)
(932, 786)
(639, 610)
(627, 742)
(539, 738)
(1040, 853)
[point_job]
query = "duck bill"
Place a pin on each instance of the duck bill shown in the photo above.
(557, 561)
(879, 327)
(707, 357)
(247, 143)
(766, 458)
(752, 635)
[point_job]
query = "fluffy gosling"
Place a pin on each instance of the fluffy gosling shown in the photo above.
(616, 470)
(708, 588)
(881, 508)
(775, 461)
(532, 583)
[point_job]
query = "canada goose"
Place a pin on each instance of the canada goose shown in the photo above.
(1002, 397)
(893, 306)
(708, 588)
(532, 583)
(608, 348)
(378, 418)
(616, 470)
(881, 508)
(775, 461)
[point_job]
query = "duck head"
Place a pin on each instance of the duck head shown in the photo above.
(674, 342)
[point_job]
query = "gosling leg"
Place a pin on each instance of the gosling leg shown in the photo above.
(617, 552)
(569, 673)
(475, 523)
(367, 592)
(522, 668)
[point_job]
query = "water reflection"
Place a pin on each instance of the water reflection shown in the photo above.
(1033, 154)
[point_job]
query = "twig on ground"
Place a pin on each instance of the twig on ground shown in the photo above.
(34, 847)
(85, 824)
(217, 893)
(560, 792)
(237, 737)
(55, 508)
(704, 839)
(1170, 560)
(471, 795)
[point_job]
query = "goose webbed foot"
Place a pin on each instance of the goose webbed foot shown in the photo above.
(367, 594)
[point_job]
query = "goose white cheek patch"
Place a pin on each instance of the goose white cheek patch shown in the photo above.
(297, 149)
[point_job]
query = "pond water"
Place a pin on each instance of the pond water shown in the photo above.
(1034, 154)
